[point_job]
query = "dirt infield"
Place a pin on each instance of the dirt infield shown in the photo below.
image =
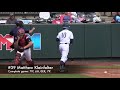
(103, 73)
(82, 67)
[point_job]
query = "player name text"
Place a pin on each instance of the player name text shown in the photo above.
(30, 67)
(43, 67)
(24, 67)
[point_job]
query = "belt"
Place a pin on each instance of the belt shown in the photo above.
(64, 43)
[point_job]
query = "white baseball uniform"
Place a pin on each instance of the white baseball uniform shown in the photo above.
(64, 37)
(26, 54)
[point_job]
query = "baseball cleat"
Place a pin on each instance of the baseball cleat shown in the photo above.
(63, 70)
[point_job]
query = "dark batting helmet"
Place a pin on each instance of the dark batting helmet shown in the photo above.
(19, 23)
(66, 26)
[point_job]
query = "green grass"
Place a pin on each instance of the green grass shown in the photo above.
(43, 76)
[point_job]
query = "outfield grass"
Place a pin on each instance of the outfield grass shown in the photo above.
(44, 76)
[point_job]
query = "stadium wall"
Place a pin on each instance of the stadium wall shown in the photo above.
(90, 41)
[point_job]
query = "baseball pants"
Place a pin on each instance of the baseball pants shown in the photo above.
(64, 50)
(26, 54)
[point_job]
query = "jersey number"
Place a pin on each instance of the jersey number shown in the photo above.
(64, 35)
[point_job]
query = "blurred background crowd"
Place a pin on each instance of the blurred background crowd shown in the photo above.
(59, 17)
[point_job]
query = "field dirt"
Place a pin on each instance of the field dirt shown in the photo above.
(77, 66)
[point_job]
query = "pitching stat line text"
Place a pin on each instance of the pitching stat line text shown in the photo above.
(30, 69)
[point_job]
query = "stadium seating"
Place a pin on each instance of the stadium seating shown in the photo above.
(34, 16)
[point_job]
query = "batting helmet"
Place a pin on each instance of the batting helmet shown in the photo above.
(66, 26)
(19, 23)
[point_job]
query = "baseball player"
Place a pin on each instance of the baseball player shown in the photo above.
(13, 32)
(22, 47)
(65, 38)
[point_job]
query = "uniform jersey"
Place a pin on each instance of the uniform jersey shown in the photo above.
(24, 40)
(14, 31)
(64, 36)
